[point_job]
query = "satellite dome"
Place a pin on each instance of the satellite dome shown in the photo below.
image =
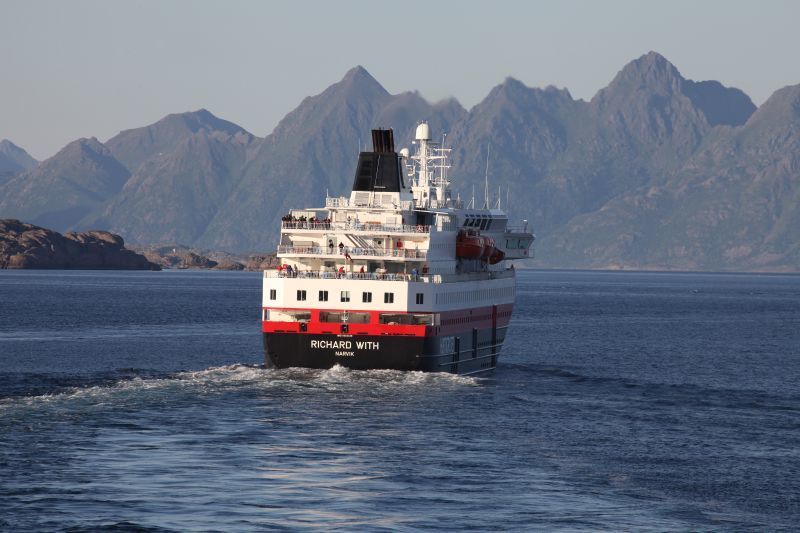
(423, 132)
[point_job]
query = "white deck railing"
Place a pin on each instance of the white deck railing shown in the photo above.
(354, 226)
(309, 274)
(400, 253)
(340, 202)
(420, 278)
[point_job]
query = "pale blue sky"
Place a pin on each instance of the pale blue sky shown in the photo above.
(75, 69)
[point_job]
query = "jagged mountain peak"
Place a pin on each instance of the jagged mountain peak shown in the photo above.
(358, 72)
(784, 101)
(775, 125)
(357, 82)
(135, 146)
(652, 63)
(357, 93)
(14, 159)
(650, 72)
(201, 119)
(514, 94)
(647, 80)
(82, 146)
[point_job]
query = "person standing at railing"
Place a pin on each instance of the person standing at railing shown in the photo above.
(330, 246)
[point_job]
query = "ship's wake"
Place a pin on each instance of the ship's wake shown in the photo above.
(130, 383)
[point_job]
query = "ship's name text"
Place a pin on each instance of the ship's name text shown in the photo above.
(346, 345)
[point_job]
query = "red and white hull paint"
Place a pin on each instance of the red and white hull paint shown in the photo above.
(465, 342)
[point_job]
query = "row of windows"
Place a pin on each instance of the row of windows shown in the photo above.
(482, 222)
(473, 296)
(344, 296)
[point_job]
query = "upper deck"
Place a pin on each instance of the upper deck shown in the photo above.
(400, 220)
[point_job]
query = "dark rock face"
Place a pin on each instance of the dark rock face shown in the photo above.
(228, 265)
(24, 245)
(261, 262)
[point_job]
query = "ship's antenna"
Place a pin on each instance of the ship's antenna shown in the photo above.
(498, 197)
(472, 202)
(486, 179)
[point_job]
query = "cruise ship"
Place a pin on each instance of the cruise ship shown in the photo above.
(398, 275)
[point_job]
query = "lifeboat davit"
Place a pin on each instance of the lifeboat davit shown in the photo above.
(469, 245)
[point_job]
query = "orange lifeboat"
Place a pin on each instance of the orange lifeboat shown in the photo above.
(496, 256)
(488, 247)
(469, 244)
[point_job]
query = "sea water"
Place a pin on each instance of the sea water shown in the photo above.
(621, 401)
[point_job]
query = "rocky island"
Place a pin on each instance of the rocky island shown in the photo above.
(185, 257)
(24, 245)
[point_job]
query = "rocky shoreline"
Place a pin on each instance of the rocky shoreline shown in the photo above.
(26, 246)
(185, 257)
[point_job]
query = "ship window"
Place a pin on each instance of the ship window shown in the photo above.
(388, 297)
(420, 298)
(404, 319)
(273, 294)
(301, 295)
(323, 296)
(288, 316)
(366, 297)
(344, 317)
(489, 223)
(345, 296)
(483, 223)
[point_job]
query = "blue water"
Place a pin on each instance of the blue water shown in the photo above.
(622, 401)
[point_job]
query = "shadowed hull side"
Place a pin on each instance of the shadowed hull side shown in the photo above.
(469, 352)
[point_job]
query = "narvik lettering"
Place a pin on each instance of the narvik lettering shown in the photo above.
(346, 345)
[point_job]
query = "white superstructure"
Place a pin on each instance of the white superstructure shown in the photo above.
(399, 244)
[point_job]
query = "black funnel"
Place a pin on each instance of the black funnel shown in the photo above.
(383, 141)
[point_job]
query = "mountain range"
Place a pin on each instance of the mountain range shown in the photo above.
(13, 160)
(654, 172)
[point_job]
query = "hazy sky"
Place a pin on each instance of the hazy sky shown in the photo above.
(75, 69)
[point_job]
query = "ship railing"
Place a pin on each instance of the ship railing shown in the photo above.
(421, 278)
(354, 226)
(402, 253)
(342, 201)
(375, 276)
